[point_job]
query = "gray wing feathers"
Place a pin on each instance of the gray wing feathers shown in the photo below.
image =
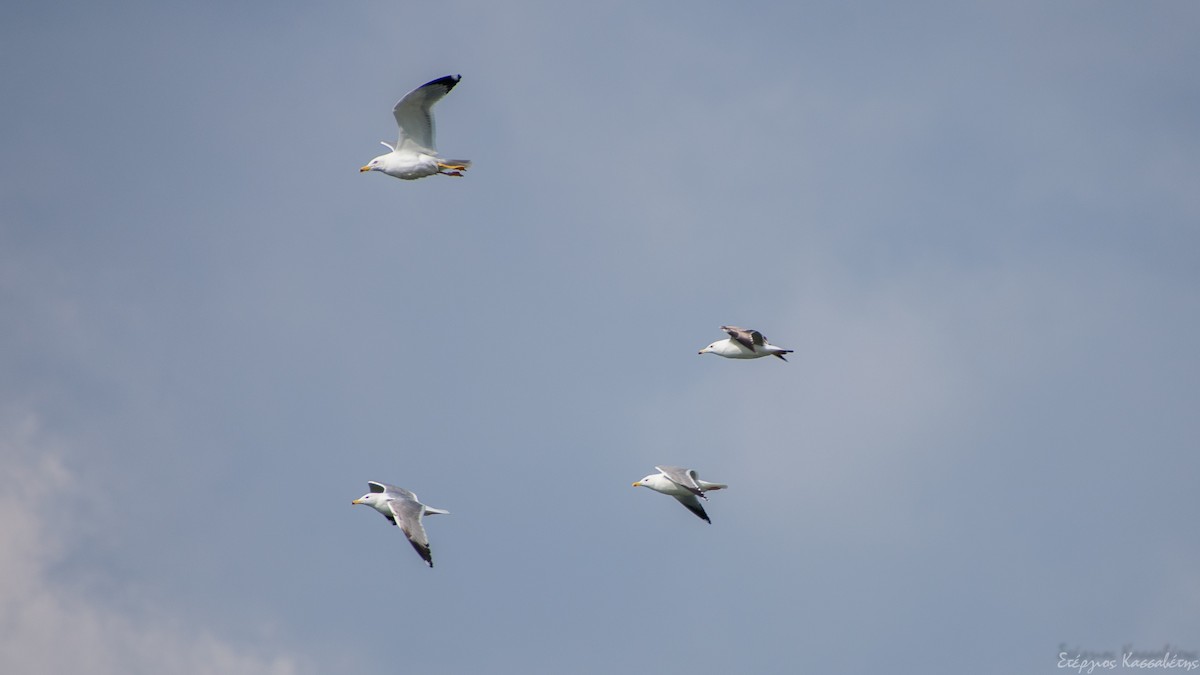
(408, 514)
(391, 490)
(748, 338)
(685, 478)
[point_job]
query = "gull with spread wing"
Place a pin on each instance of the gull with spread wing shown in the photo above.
(402, 508)
(743, 343)
(682, 484)
(413, 156)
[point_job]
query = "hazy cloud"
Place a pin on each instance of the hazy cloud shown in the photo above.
(52, 624)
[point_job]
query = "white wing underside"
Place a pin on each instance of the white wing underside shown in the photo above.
(415, 119)
(409, 140)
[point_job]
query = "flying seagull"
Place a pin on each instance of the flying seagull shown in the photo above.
(402, 508)
(413, 156)
(682, 484)
(744, 344)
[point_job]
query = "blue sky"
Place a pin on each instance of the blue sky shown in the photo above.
(976, 225)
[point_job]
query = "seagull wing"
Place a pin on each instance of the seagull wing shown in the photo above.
(413, 115)
(407, 513)
(695, 507)
(747, 338)
(390, 490)
(684, 478)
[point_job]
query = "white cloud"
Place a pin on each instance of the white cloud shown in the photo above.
(46, 626)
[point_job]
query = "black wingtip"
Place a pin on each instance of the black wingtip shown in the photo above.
(699, 511)
(448, 82)
(425, 552)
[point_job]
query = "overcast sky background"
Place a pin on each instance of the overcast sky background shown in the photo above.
(977, 225)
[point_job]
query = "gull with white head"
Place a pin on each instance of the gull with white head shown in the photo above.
(402, 508)
(413, 156)
(743, 343)
(682, 484)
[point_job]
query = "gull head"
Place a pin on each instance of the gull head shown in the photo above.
(370, 499)
(377, 163)
(710, 348)
(648, 482)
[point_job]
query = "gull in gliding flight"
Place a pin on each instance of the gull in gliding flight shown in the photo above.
(402, 508)
(743, 343)
(682, 484)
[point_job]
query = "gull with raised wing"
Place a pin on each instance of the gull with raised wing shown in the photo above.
(743, 343)
(402, 508)
(682, 484)
(413, 156)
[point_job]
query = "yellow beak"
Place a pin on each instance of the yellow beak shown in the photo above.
(356, 501)
(638, 484)
(365, 168)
